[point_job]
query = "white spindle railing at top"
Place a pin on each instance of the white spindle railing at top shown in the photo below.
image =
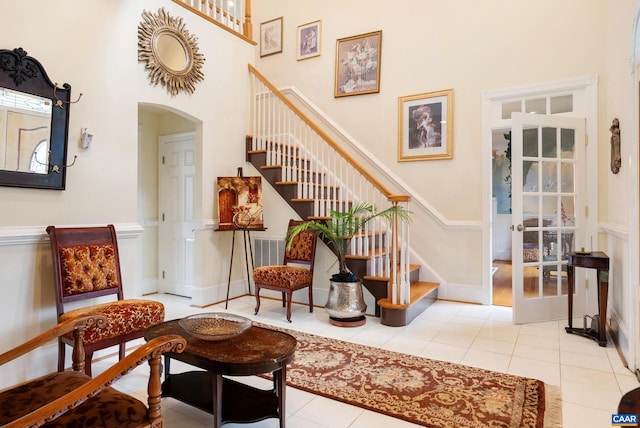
(327, 175)
(234, 15)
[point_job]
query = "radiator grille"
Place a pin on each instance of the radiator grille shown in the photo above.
(268, 251)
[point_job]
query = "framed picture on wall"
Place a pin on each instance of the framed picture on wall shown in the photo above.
(425, 126)
(309, 40)
(358, 64)
(271, 37)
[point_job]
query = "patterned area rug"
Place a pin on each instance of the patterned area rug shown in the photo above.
(426, 392)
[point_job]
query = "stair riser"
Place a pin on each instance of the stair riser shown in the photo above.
(403, 317)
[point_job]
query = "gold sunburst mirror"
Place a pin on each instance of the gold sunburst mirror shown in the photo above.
(171, 53)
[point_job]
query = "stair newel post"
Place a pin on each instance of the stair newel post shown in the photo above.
(394, 254)
(248, 26)
(404, 262)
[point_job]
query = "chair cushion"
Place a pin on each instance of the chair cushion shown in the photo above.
(301, 247)
(88, 268)
(123, 317)
(109, 408)
(282, 276)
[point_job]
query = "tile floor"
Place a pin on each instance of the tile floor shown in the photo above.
(592, 378)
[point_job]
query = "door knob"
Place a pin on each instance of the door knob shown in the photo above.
(519, 228)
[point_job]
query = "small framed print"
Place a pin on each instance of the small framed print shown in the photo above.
(425, 126)
(271, 37)
(309, 40)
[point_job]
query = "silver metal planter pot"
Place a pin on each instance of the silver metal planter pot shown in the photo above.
(345, 304)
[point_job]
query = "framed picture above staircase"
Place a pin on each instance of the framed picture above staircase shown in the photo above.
(425, 128)
(358, 64)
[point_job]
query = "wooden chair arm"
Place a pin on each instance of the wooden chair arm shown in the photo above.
(51, 334)
(150, 351)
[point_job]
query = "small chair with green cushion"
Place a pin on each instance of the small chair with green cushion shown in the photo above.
(295, 273)
(86, 265)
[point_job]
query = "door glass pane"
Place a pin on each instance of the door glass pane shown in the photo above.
(530, 176)
(566, 177)
(554, 280)
(530, 206)
(538, 106)
(549, 210)
(567, 211)
(568, 143)
(549, 143)
(550, 176)
(531, 235)
(530, 143)
(531, 282)
(566, 244)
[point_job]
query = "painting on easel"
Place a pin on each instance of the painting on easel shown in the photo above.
(240, 203)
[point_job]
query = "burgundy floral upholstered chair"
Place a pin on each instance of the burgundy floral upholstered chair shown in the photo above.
(73, 399)
(86, 265)
(295, 273)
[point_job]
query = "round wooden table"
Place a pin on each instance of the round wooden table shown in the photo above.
(256, 351)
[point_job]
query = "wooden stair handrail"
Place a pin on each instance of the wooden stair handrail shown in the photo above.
(381, 187)
(247, 28)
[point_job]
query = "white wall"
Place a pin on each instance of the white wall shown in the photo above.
(619, 192)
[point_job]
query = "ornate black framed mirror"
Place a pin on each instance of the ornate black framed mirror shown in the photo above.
(34, 124)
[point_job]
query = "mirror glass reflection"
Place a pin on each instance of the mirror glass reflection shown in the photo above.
(25, 130)
(171, 52)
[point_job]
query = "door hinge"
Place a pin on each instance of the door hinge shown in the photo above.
(586, 211)
(162, 274)
(586, 284)
(162, 160)
(586, 140)
(162, 216)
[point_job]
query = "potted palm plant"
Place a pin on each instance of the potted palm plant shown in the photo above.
(345, 303)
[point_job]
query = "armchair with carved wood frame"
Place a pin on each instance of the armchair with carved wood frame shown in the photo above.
(72, 398)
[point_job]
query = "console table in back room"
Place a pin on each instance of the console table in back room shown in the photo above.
(593, 260)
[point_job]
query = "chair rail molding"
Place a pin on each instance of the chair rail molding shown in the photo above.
(27, 235)
(618, 230)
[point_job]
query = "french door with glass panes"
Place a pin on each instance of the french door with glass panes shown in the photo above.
(547, 155)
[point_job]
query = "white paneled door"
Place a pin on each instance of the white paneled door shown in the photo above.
(548, 208)
(176, 172)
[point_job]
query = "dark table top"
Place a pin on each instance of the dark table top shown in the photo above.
(257, 350)
(593, 259)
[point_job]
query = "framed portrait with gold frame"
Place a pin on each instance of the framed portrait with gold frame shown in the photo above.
(425, 126)
(358, 64)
